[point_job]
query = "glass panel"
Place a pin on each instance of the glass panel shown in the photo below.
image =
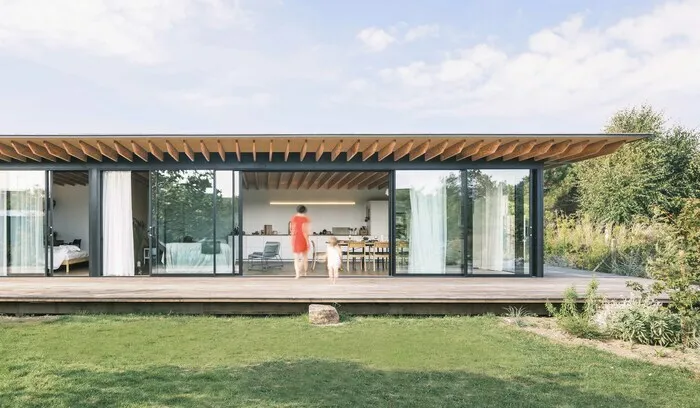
(429, 237)
(22, 222)
(227, 223)
(182, 217)
(499, 212)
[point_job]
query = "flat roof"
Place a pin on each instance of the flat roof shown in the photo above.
(551, 149)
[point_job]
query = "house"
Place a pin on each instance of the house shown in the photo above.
(189, 204)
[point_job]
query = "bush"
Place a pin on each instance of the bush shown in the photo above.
(577, 321)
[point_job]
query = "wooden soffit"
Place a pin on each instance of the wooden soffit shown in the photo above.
(547, 148)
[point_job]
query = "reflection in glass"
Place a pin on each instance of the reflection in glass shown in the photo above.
(499, 220)
(22, 209)
(429, 222)
(226, 227)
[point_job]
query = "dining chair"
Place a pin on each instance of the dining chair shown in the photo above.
(356, 250)
(380, 253)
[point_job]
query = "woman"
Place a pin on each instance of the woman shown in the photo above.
(300, 241)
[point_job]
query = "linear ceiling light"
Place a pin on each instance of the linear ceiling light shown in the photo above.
(312, 203)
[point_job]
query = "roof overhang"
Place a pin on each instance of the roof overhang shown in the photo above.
(550, 149)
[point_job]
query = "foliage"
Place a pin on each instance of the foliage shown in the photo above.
(655, 173)
(518, 315)
(561, 191)
(578, 321)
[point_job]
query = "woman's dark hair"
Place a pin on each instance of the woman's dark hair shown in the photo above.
(301, 209)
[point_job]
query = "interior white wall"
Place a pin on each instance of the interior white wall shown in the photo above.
(257, 210)
(71, 214)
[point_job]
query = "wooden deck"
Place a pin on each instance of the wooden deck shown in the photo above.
(274, 295)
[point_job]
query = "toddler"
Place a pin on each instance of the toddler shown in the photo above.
(333, 258)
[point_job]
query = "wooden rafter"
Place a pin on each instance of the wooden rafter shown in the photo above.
(369, 180)
(271, 150)
(319, 150)
(244, 179)
(453, 150)
(205, 151)
(470, 150)
(172, 151)
(74, 151)
(436, 150)
(314, 176)
(253, 151)
(592, 149)
(256, 177)
(572, 150)
(107, 151)
(304, 180)
(403, 150)
(123, 151)
(502, 150)
(321, 181)
(419, 150)
(286, 151)
(607, 149)
(188, 150)
(222, 152)
(486, 150)
(337, 150)
(139, 151)
(90, 151)
(370, 150)
(344, 176)
(23, 150)
(354, 149)
(40, 151)
(304, 148)
(348, 181)
(522, 148)
(57, 151)
(537, 150)
(378, 182)
(556, 149)
(269, 179)
(385, 151)
(155, 151)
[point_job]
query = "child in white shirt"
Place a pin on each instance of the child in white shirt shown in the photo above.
(333, 258)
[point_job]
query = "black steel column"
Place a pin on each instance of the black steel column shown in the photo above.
(95, 223)
(392, 223)
(240, 219)
(537, 222)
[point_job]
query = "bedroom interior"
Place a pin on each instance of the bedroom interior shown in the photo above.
(70, 223)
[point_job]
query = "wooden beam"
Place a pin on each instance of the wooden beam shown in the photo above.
(286, 152)
(370, 150)
(304, 180)
(403, 150)
(349, 180)
(123, 151)
(244, 178)
(470, 150)
(172, 151)
(319, 151)
(10, 152)
(139, 151)
(453, 150)
(419, 150)
(237, 148)
(256, 178)
(90, 151)
(302, 153)
(591, 149)
(23, 150)
(205, 151)
(369, 180)
(336, 150)
(222, 153)
(386, 150)
(521, 149)
(378, 181)
(40, 151)
(344, 176)
(537, 150)
(108, 151)
(5, 158)
(287, 179)
(155, 151)
(556, 149)
(188, 150)
(74, 151)
(436, 150)
(357, 180)
(57, 151)
(321, 181)
(271, 148)
(487, 149)
(354, 149)
(505, 148)
(313, 178)
(269, 179)
(254, 152)
(572, 150)
(607, 149)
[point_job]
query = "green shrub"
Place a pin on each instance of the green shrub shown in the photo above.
(575, 320)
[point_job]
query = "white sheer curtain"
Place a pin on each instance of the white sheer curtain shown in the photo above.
(22, 200)
(427, 248)
(117, 224)
(490, 213)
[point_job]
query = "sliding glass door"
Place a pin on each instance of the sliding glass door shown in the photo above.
(194, 218)
(23, 223)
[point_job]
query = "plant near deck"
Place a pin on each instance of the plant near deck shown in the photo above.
(575, 320)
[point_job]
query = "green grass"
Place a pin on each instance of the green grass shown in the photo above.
(136, 361)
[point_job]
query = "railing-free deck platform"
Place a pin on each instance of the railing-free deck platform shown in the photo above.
(272, 296)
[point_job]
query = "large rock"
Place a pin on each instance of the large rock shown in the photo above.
(323, 314)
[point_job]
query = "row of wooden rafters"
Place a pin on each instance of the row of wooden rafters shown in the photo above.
(315, 180)
(550, 150)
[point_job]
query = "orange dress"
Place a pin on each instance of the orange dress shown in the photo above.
(300, 244)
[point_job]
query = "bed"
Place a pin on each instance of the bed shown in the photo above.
(67, 255)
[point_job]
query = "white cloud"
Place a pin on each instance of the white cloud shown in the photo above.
(422, 31)
(567, 68)
(204, 99)
(127, 29)
(375, 39)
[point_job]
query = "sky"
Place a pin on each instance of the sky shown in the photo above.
(361, 66)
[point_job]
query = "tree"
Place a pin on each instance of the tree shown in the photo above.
(656, 173)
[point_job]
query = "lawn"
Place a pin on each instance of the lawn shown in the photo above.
(168, 361)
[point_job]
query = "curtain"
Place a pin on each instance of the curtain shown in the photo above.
(117, 224)
(427, 250)
(490, 217)
(22, 200)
